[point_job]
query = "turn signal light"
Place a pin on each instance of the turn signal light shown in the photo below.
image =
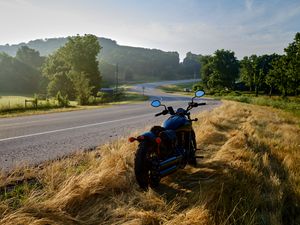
(131, 139)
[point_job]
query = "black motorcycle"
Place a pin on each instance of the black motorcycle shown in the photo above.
(167, 148)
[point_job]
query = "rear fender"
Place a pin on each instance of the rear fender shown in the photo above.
(150, 140)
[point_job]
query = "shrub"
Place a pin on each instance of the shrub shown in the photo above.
(105, 97)
(63, 101)
(198, 86)
(234, 93)
(94, 100)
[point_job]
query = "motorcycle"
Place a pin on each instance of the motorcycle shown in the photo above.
(165, 149)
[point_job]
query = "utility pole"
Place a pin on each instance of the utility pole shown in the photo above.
(117, 79)
(117, 76)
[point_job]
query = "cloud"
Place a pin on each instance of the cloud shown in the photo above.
(249, 4)
(197, 26)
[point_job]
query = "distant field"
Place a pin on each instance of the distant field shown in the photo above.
(10, 101)
(289, 104)
(14, 105)
(177, 87)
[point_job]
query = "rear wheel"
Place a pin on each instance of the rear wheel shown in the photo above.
(143, 170)
(192, 148)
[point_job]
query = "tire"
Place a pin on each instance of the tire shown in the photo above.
(142, 167)
(192, 149)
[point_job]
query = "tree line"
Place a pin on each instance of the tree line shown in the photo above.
(78, 69)
(21, 74)
(73, 70)
(266, 73)
(134, 64)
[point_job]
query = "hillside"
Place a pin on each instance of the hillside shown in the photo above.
(250, 175)
(49, 45)
(134, 63)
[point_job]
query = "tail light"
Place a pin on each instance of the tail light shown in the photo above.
(158, 140)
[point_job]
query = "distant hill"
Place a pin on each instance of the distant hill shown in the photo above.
(49, 45)
(134, 63)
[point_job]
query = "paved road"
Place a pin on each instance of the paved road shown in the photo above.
(33, 139)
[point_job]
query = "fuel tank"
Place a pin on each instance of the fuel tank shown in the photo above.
(177, 123)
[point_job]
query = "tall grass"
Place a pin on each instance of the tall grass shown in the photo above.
(177, 87)
(249, 175)
(291, 104)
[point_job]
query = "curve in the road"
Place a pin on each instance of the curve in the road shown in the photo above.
(33, 139)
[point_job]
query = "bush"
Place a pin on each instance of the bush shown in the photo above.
(63, 101)
(234, 93)
(119, 95)
(105, 97)
(198, 86)
(94, 100)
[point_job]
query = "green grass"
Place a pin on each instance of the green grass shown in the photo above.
(178, 88)
(291, 104)
(11, 106)
(131, 96)
(16, 195)
(12, 101)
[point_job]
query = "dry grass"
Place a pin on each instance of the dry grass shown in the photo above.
(250, 175)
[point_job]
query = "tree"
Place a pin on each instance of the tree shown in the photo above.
(56, 71)
(66, 66)
(254, 70)
(30, 57)
(272, 77)
(17, 77)
(293, 64)
(285, 71)
(247, 72)
(221, 70)
(191, 65)
(80, 53)
(206, 70)
(62, 83)
(82, 87)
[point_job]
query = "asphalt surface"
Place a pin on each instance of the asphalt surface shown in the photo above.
(34, 139)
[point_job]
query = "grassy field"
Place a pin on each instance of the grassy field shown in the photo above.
(14, 105)
(289, 104)
(12, 101)
(177, 88)
(249, 175)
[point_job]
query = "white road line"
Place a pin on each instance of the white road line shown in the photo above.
(73, 128)
(57, 118)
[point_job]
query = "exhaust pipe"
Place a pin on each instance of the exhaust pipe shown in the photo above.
(169, 162)
(168, 171)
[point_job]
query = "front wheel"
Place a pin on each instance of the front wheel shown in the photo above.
(143, 167)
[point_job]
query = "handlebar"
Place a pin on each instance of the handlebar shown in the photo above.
(171, 111)
(165, 112)
(195, 104)
(158, 114)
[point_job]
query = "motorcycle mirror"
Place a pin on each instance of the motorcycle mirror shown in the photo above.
(199, 93)
(155, 103)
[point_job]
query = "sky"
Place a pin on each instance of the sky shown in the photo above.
(200, 26)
